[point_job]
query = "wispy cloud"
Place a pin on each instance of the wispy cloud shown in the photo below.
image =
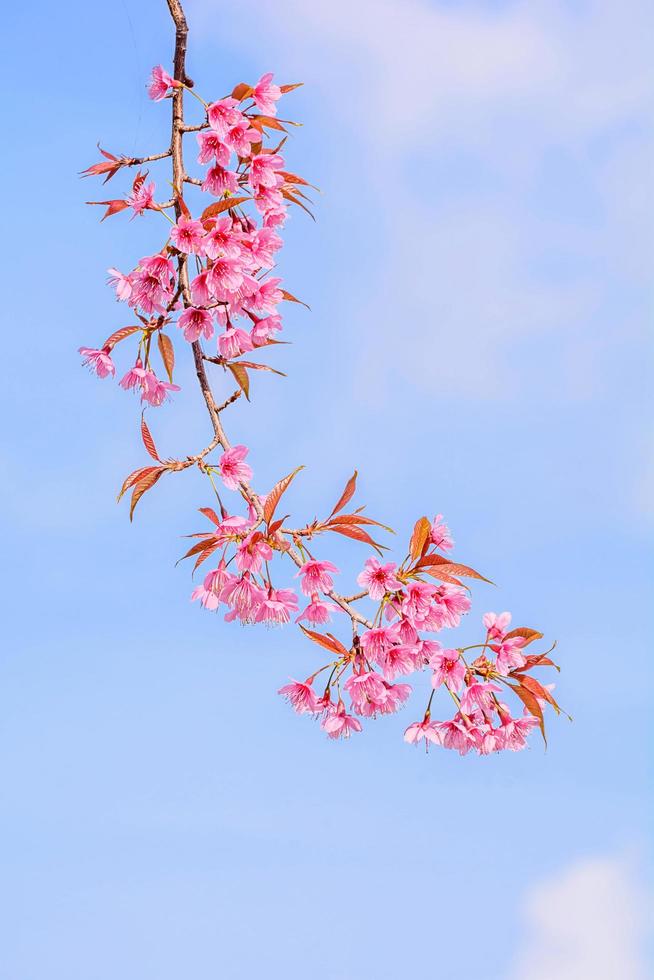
(587, 922)
(516, 139)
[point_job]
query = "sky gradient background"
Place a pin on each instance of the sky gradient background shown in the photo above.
(480, 284)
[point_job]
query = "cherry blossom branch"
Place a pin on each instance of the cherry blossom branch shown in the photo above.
(233, 257)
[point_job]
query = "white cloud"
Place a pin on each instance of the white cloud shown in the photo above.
(587, 923)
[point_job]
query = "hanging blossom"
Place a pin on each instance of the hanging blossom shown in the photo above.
(207, 293)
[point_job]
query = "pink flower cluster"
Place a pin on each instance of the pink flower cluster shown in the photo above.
(212, 278)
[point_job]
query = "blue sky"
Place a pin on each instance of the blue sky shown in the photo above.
(480, 283)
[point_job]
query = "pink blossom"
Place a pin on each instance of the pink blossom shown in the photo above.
(440, 534)
(508, 654)
(212, 148)
(160, 82)
(262, 246)
(479, 695)
(396, 695)
(422, 729)
(98, 361)
(142, 199)
(251, 554)
(264, 329)
(225, 276)
(223, 115)
(300, 696)
(337, 723)
(315, 576)
(417, 601)
(497, 624)
(398, 660)
(513, 732)
(241, 137)
(455, 735)
(218, 180)
(375, 643)
(154, 391)
(378, 579)
(222, 240)
(134, 377)
(209, 592)
(188, 235)
(196, 323)
(233, 469)
(200, 292)
(447, 667)
(317, 612)
(366, 689)
(265, 94)
(453, 602)
(277, 606)
(263, 170)
(243, 597)
(267, 296)
(233, 342)
(120, 283)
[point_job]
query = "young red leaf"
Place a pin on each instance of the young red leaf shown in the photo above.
(145, 483)
(211, 514)
(293, 299)
(241, 91)
(530, 702)
(289, 88)
(167, 351)
(229, 202)
(275, 494)
(148, 441)
(358, 534)
(528, 634)
(134, 477)
(347, 494)
(328, 642)
(241, 377)
(121, 334)
(420, 537)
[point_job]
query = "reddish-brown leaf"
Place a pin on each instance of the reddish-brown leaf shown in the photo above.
(206, 541)
(148, 441)
(275, 494)
(539, 660)
(145, 483)
(261, 367)
(347, 494)
(420, 537)
(113, 207)
(295, 199)
(357, 534)
(121, 335)
(211, 514)
(220, 206)
(266, 122)
(293, 299)
(207, 553)
(528, 634)
(167, 351)
(451, 567)
(537, 689)
(134, 477)
(358, 519)
(295, 179)
(241, 91)
(443, 576)
(328, 642)
(530, 702)
(289, 88)
(241, 377)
